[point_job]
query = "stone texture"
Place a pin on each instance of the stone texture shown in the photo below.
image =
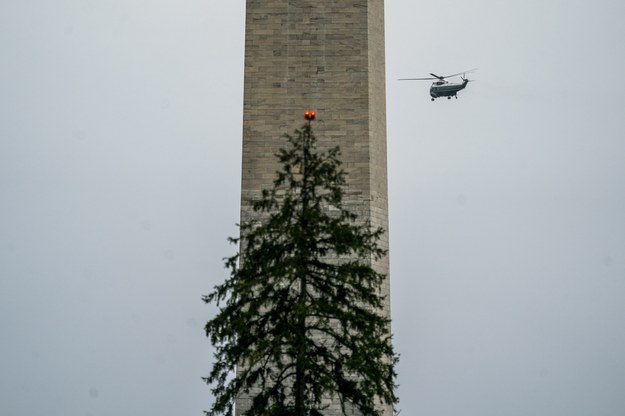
(326, 56)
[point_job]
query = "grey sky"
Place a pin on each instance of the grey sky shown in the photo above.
(120, 139)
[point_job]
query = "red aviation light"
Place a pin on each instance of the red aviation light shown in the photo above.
(309, 115)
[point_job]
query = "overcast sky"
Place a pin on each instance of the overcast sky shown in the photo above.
(120, 149)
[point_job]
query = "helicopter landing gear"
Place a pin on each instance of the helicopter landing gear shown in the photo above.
(449, 98)
(432, 98)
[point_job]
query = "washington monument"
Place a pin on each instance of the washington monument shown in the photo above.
(326, 56)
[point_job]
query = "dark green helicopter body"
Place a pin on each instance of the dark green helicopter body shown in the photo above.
(443, 88)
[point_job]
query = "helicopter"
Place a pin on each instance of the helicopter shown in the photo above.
(443, 88)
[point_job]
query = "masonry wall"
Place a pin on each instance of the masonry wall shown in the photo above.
(326, 56)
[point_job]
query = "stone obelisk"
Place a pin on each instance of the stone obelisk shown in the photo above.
(326, 56)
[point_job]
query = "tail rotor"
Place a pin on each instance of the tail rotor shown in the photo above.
(465, 79)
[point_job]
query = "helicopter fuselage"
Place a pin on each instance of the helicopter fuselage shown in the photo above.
(443, 88)
(446, 89)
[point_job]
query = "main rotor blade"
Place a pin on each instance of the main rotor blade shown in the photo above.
(459, 73)
(441, 78)
(415, 79)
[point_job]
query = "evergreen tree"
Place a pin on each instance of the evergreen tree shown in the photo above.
(300, 317)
